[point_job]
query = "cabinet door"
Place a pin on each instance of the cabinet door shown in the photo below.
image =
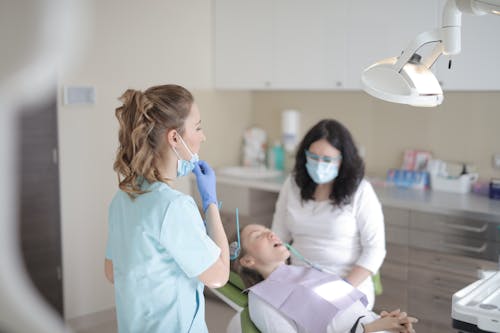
(474, 68)
(243, 44)
(309, 44)
(280, 44)
(382, 29)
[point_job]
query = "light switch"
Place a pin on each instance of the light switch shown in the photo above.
(79, 95)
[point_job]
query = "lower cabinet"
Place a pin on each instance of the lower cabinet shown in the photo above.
(422, 280)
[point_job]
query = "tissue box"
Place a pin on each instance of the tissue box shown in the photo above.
(461, 184)
(408, 178)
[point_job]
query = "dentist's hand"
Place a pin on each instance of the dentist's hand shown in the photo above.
(205, 178)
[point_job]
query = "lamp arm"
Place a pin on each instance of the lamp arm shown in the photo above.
(436, 53)
(422, 39)
(449, 35)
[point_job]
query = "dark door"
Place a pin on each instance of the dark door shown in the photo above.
(39, 226)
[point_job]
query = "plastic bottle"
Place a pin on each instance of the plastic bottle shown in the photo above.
(276, 157)
(279, 156)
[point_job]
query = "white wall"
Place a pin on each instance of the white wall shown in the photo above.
(133, 44)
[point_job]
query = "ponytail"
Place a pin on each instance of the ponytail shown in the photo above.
(144, 118)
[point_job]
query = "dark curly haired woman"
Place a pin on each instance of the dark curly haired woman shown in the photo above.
(329, 211)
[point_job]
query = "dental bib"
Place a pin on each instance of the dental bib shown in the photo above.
(307, 296)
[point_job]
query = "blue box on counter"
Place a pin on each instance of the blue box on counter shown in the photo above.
(495, 189)
(408, 178)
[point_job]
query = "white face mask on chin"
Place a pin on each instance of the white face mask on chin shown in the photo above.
(184, 167)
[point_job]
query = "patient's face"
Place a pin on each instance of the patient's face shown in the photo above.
(263, 245)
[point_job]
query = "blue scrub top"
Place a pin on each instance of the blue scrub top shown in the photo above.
(159, 245)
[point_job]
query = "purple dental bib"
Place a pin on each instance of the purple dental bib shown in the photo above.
(307, 296)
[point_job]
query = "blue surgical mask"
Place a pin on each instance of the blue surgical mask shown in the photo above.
(322, 172)
(184, 167)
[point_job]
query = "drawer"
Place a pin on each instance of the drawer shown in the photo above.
(455, 225)
(396, 216)
(448, 263)
(427, 326)
(394, 295)
(397, 253)
(394, 270)
(429, 304)
(397, 235)
(448, 283)
(389, 303)
(469, 247)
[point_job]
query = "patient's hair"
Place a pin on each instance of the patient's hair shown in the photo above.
(144, 119)
(249, 276)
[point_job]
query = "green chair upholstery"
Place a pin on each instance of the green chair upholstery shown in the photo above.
(233, 290)
(377, 284)
(246, 324)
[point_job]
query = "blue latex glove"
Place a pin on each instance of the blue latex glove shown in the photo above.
(205, 179)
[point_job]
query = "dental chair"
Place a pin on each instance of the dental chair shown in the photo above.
(232, 294)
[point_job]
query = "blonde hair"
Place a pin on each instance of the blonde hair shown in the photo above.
(144, 119)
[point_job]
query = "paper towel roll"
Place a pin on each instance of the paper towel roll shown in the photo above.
(290, 120)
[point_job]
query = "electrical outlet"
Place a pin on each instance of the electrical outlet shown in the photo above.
(496, 161)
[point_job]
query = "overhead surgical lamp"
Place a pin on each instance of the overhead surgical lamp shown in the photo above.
(408, 79)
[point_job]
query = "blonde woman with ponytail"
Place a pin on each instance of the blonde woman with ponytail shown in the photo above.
(160, 253)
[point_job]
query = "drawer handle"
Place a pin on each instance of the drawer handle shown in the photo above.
(441, 300)
(438, 282)
(467, 228)
(459, 266)
(466, 248)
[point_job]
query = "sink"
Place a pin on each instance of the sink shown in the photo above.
(248, 172)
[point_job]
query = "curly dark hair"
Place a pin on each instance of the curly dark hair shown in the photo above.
(352, 168)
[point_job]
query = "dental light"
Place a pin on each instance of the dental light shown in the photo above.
(407, 79)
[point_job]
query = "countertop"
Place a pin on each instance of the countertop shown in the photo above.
(467, 205)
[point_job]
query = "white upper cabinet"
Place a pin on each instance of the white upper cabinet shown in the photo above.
(279, 44)
(476, 66)
(307, 52)
(243, 44)
(326, 44)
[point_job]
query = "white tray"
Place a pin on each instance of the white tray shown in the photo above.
(461, 184)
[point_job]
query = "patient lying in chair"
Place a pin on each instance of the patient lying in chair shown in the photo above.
(284, 298)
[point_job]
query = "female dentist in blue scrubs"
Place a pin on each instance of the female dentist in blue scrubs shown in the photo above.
(160, 253)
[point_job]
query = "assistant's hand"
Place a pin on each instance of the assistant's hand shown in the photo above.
(397, 324)
(205, 179)
(403, 319)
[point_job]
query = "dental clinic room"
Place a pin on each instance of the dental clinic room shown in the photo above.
(237, 166)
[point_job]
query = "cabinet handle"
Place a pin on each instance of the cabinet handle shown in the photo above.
(458, 266)
(467, 228)
(441, 300)
(466, 248)
(438, 282)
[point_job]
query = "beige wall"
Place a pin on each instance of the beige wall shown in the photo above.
(135, 45)
(464, 128)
